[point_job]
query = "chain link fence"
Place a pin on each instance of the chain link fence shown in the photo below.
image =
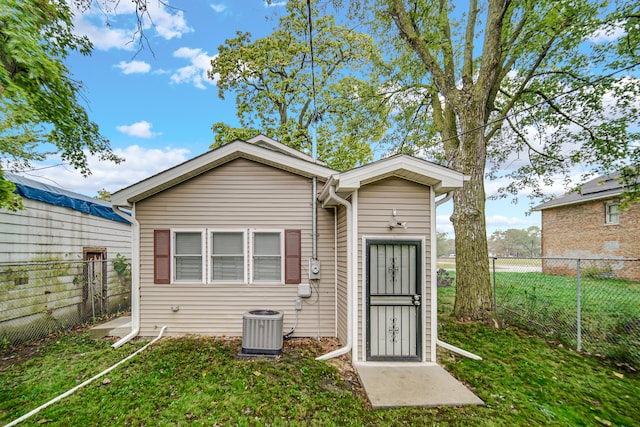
(592, 305)
(38, 298)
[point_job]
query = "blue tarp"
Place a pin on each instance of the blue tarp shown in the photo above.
(36, 190)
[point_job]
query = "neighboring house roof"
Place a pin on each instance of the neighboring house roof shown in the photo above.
(264, 150)
(35, 190)
(602, 187)
(260, 149)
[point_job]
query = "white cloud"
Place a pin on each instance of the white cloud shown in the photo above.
(134, 67)
(167, 24)
(140, 129)
(274, 3)
(140, 163)
(218, 7)
(103, 37)
(196, 72)
(443, 224)
(115, 28)
(607, 33)
(504, 222)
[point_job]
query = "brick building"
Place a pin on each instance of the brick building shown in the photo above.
(589, 224)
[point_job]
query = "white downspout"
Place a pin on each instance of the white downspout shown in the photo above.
(344, 350)
(458, 350)
(135, 276)
(443, 344)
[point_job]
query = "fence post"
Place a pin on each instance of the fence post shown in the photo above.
(578, 313)
(495, 298)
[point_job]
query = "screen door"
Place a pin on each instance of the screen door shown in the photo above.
(393, 300)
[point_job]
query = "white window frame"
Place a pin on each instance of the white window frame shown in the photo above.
(607, 213)
(202, 255)
(209, 254)
(252, 233)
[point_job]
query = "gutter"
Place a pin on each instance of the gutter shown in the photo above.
(135, 276)
(445, 199)
(350, 285)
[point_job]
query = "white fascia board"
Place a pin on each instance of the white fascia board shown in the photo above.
(576, 201)
(441, 178)
(284, 148)
(212, 159)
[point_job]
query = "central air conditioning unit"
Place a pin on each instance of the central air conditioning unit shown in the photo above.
(262, 333)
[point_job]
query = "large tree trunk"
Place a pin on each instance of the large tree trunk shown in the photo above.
(473, 285)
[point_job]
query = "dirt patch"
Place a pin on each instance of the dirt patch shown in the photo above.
(318, 347)
(22, 352)
(28, 350)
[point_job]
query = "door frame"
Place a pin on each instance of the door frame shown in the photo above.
(421, 315)
(102, 307)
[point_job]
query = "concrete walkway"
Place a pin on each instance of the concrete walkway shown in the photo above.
(118, 327)
(424, 385)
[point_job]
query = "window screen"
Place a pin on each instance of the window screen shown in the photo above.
(227, 256)
(267, 257)
(188, 256)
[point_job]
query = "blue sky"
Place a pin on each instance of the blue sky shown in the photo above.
(157, 105)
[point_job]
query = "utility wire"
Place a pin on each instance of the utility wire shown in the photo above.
(313, 74)
(315, 117)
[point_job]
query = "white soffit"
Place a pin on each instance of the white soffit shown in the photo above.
(212, 159)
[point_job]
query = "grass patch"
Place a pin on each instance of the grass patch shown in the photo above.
(200, 381)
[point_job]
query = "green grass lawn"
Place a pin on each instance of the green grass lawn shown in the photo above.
(523, 379)
(547, 304)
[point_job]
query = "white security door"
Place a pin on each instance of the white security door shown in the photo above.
(393, 300)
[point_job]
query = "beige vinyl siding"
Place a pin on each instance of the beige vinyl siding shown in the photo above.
(375, 204)
(241, 194)
(341, 303)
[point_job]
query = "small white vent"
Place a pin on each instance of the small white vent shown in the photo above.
(262, 332)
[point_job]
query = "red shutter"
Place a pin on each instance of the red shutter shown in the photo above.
(292, 257)
(162, 256)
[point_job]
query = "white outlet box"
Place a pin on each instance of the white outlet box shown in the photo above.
(304, 290)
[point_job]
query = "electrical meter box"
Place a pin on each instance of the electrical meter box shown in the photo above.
(314, 269)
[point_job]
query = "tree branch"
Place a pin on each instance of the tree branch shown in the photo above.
(399, 15)
(491, 50)
(558, 110)
(467, 65)
(521, 89)
(524, 139)
(447, 44)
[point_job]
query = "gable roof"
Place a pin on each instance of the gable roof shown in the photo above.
(259, 149)
(440, 178)
(602, 187)
(272, 144)
(36, 190)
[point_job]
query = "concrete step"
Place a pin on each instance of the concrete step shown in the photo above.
(118, 327)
